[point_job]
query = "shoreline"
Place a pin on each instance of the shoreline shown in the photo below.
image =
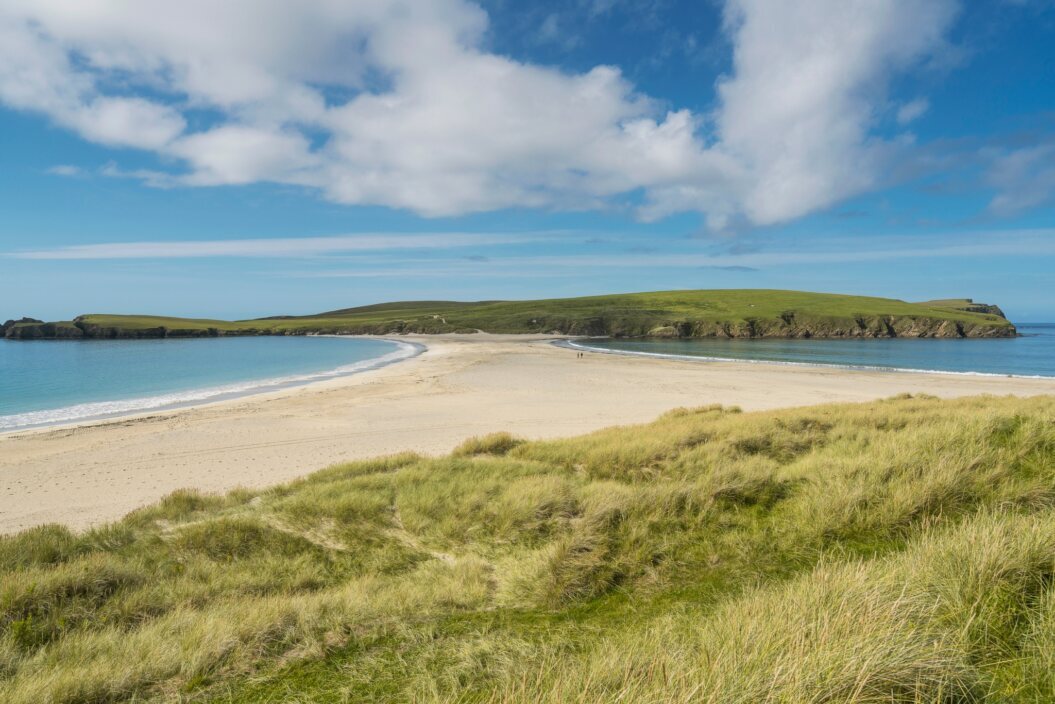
(85, 474)
(277, 385)
(576, 345)
(419, 342)
(206, 395)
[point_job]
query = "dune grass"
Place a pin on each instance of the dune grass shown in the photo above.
(898, 551)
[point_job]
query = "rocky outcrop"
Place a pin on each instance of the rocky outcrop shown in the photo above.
(29, 329)
(967, 305)
(786, 326)
(110, 332)
(860, 327)
(640, 324)
(100, 332)
(12, 323)
(987, 308)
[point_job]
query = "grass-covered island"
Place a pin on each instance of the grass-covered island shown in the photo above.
(717, 313)
(896, 551)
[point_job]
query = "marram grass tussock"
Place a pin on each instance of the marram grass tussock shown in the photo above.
(898, 551)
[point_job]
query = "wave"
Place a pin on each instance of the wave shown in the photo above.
(179, 399)
(856, 367)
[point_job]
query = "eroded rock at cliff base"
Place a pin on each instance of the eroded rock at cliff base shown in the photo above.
(30, 329)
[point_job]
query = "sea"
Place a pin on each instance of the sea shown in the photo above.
(49, 382)
(1032, 354)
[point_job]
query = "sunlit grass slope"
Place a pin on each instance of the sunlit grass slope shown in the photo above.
(898, 551)
(737, 312)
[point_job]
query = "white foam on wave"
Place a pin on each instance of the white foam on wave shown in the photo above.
(178, 399)
(856, 367)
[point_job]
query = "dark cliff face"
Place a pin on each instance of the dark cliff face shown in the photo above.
(968, 305)
(30, 329)
(787, 325)
(99, 332)
(985, 308)
(12, 323)
(861, 327)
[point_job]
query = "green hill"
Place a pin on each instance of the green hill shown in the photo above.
(895, 552)
(718, 313)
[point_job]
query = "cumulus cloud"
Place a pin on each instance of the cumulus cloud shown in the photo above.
(399, 103)
(808, 75)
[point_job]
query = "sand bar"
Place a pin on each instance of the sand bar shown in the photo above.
(460, 387)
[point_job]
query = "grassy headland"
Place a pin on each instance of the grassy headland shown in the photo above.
(718, 313)
(897, 551)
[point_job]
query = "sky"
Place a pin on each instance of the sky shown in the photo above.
(265, 157)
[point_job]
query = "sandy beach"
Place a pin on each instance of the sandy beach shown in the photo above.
(461, 386)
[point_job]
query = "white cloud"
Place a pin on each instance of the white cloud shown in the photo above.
(398, 103)
(276, 247)
(151, 177)
(912, 110)
(969, 244)
(36, 73)
(130, 122)
(808, 76)
(237, 154)
(1023, 178)
(68, 170)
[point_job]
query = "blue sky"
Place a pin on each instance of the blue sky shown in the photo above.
(273, 157)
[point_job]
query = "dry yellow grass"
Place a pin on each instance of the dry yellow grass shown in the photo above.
(899, 551)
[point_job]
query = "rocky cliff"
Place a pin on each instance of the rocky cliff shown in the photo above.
(863, 327)
(633, 315)
(31, 329)
(787, 326)
(7, 325)
(77, 329)
(968, 305)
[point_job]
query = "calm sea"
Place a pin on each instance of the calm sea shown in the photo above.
(1032, 354)
(48, 381)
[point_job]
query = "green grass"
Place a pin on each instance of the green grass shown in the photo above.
(897, 551)
(685, 313)
(144, 322)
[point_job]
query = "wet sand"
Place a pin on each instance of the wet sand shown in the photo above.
(460, 387)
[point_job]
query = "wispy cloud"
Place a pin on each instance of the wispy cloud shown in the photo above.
(67, 170)
(152, 178)
(1043, 244)
(1024, 178)
(441, 272)
(1035, 242)
(278, 247)
(912, 110)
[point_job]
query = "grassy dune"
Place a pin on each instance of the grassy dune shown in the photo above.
(738, 313)
(898, 551)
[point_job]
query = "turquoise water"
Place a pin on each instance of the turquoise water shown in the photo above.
(1032, 354)
(50, 381)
